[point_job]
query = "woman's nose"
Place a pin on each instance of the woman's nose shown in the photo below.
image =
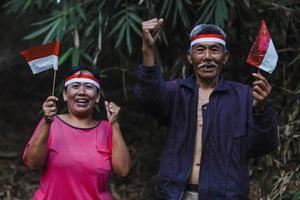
(81, 90)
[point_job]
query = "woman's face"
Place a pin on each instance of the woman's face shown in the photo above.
(81, 97)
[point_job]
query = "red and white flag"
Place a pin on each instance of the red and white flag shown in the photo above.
(43, 57)
(263, 53)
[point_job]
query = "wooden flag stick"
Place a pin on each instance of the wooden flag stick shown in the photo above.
(53, 86)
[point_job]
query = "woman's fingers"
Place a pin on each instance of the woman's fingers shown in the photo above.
(112, 111)
(49, 108)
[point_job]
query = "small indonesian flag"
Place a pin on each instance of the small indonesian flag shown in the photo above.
(263, 53)
(42, 57)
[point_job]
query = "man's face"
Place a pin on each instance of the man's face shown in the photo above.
(207, 59)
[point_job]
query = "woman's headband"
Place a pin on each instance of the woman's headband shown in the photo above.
(211, 37)
(82, 78)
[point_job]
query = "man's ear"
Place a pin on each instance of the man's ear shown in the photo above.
(227, 53)
(65, 94)
(188, 56)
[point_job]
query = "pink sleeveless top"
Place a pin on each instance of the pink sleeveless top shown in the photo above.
(78, 162)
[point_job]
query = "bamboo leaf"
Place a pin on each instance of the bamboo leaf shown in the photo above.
(231, 2)
(295, 60)
(26, 5)
(174, 18)
(134, 17)
(164, 7)
(169, 8)
(50, 36)
(117, 26)
(101, 5)
(75, 57)
(61, 30)
(120, 13)
(39, 31)
(90, 28)
(46, 20)
(135, 28)
(87, 57)
(128, 40)
(120, 36)
(81, 12)
(206, 15)
(183, 15)
(65, 56)
(220, 13)
(247, 3)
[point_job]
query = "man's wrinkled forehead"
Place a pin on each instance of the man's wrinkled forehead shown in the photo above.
(204, 33)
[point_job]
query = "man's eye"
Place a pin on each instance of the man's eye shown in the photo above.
(199, 50)
(89, 86)
(215, 50)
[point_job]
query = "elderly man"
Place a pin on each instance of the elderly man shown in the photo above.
(214, 126)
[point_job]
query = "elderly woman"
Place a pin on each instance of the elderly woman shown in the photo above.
(75, 152)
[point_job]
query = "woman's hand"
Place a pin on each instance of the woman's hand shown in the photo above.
(112, 111)
(49, 108)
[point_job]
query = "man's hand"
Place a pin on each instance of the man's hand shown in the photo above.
(150, 32)
(49, 108)
(112, 111)
(261, 91)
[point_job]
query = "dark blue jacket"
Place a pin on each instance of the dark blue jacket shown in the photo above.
(231, 134)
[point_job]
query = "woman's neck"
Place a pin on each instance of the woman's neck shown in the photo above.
(79, 121)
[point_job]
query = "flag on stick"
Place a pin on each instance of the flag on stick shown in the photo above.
(43, 57)
(263, 53)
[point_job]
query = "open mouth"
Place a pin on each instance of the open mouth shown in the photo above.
(81, 102)
(207, 66)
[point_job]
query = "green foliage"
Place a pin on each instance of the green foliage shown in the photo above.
(107, 33)
(170, 9)
(214, 11)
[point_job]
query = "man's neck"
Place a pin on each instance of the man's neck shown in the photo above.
(207, 84)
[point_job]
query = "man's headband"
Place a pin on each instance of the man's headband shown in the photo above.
(82, 78)
(211, 37)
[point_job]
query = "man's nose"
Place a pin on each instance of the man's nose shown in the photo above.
(207, 55)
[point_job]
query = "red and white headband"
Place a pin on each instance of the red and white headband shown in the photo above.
(211, 37)
(82, 78)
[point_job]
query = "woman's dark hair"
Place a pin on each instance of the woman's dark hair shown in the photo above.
(94, 70)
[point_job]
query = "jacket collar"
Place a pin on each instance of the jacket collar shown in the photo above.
(191, 83)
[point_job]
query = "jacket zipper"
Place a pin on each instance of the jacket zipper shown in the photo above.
(195, 119)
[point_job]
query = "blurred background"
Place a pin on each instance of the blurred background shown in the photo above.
(108, 34)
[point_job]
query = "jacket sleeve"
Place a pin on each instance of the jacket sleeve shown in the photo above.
(154, 93)
(262, 130)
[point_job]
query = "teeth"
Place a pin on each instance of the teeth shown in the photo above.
(81, 100)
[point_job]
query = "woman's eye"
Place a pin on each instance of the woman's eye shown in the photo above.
(75, 86)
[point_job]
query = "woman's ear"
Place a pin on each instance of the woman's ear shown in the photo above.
(188, 56)
(65, 95)
(98, 97)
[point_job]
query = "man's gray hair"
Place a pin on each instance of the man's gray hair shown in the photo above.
(206, 28)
